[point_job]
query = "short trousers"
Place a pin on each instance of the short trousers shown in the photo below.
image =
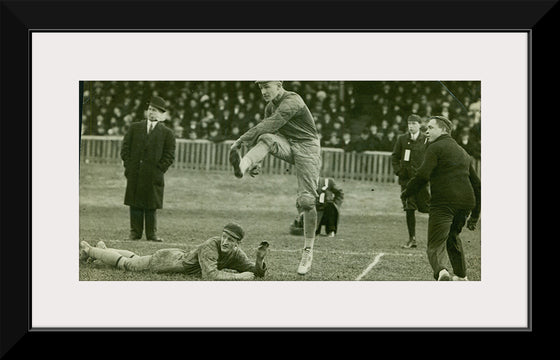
(305, 156)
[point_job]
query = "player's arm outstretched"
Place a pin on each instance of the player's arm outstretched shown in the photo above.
(208, 259)
(271, 123)
(242, 263)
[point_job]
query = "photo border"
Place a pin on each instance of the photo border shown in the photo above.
(22, 18)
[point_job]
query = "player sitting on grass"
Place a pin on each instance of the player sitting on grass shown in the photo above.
(214, 259)
(328, 207)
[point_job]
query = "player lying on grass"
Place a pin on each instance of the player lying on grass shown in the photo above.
(214, 259)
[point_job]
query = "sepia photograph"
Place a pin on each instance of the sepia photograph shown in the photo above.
(278, 180)
(325, 189)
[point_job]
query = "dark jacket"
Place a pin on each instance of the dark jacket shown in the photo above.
(362, 144)
(471, 147)
(329, 192)
(146, 158)
(405, 170)
(386, 144)
(208, 260)
(453, 179)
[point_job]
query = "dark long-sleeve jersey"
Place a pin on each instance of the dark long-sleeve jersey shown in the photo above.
(287, 115)
(208, 259)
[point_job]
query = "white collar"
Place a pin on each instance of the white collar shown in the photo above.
(414, 136)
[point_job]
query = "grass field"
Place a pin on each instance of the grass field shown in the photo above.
(197, 205)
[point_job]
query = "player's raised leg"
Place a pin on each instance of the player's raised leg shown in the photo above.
(273, 144)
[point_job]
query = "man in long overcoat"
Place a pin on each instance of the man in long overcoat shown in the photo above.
(148, 150)
(407, 156)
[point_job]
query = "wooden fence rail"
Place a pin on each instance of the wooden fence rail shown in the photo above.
(204, 155)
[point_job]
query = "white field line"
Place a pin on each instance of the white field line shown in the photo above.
(370, 266)
(346, 252)
(315, 250)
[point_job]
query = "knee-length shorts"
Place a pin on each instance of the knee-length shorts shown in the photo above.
(306, 158)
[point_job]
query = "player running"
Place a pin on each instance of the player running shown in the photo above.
(287, 132)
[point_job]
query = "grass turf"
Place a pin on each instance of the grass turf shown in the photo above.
(197, 205)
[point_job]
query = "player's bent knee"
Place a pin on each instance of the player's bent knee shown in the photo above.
(268, 139)
(306, 202)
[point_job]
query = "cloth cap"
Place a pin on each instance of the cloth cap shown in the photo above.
(414, 118)
(158, 103)
(234, 230)
(442, 120)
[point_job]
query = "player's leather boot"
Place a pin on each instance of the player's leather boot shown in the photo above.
(262, 250)
(306, 260)
(411, 244)
(235, 160)
(444, 275)
(254, 170)
(84, 246)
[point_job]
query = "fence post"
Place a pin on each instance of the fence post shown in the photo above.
(204, 155)
(209, 151)
(192, 155)
(176, 155)
(370, 167)
(339, 165)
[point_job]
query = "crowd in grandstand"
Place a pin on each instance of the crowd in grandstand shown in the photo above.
(354, 116)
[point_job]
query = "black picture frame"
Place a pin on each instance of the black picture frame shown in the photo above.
(21, 18)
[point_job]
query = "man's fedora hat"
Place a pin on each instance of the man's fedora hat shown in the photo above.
(158, 103)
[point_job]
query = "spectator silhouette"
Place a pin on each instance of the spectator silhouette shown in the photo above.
(364, 143)
(192, 135)
(107, 102)
(471, 146)
(214, 135)
(347, 144)
(388, 142)
(333, 141)
(375, 136)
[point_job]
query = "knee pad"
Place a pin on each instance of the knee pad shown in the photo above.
(306, 202)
